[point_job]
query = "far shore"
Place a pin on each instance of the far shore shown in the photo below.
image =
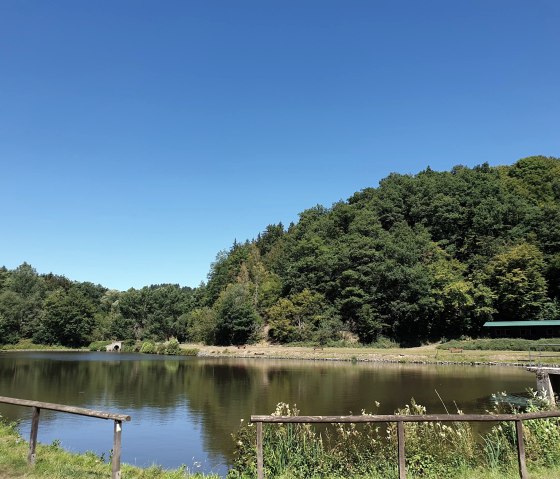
(427, 354)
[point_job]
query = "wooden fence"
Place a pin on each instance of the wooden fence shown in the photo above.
(37, 406)
(400, 420)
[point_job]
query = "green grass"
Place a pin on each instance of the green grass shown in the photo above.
(55, 463)
(434, 450)
(52, 462)
(503, 344)
(478, 473)
(27, 344)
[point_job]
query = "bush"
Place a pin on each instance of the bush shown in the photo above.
(173, 347)
(504, 344)
(98, 345)
(384, 343)
(189, 352)
(542, 437)
(148, 347)
(131, 346)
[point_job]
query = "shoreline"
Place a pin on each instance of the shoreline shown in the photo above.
(429, 354)
(419, 355)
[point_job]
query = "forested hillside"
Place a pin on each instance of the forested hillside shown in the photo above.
(418, 258)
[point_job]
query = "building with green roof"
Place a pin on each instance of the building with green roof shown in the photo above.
(523, 329)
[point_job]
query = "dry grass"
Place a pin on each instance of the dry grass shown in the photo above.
(424, 354)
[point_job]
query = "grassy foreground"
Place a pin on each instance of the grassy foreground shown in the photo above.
(55, 463)
(468, 474)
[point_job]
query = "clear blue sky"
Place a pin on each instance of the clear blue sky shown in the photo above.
(139, 138)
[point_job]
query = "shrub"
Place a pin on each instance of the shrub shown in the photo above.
(504, 344)
(384, 343)
(98, 345)
(131, 346)
(542, 436)
(148, 347)
(189, 352)
(173, 347)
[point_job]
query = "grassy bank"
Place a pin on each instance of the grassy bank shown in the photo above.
(467, 474)
(472, 352)
(504, 344)
(28, 345)
(298, 452)
(429, 354)
(55, 463)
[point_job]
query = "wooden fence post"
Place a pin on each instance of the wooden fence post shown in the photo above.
(33, 436)
(116, 462)
(521, 450)
(402, 463)
(260, 466)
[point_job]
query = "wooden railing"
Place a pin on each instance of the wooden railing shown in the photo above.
(536, 353)
(37, 406)
(400, 420)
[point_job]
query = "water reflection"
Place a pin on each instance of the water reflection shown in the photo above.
(185, 409)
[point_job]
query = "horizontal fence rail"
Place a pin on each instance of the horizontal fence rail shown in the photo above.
(536, 353)
(38, 405)
(400, 420)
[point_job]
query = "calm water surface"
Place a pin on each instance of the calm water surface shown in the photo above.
(184, 410)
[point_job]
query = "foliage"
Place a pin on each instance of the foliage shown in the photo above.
(516, 276)
(418, 258)
(172, 347)
(98, 345)
(541, 437)
(68, 319)
(433, 449)
(148, 347)
(189, 351)
(503, 344)
(201, 325)
(384, 343)
(301, 317)
(28, 345)
(237, 321)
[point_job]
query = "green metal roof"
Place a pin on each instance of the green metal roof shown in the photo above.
(494, 324)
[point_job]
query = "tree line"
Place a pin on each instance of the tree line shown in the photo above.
(418, 258)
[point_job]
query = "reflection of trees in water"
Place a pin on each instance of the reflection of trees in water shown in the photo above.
(219, 392)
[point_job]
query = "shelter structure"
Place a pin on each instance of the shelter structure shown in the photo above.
(523, 329)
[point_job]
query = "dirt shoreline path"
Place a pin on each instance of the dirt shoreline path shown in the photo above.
(420, 355)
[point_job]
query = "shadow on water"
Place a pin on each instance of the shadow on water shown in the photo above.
(184, 410)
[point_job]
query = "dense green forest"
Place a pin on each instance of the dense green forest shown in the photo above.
(418, 258)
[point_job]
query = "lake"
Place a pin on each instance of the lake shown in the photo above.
(184, 409)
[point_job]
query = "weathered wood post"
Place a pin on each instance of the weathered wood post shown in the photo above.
(402, 463)
(521, 450)
(544, 382)
(260, 466)
(116, 462)
(33, 435)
